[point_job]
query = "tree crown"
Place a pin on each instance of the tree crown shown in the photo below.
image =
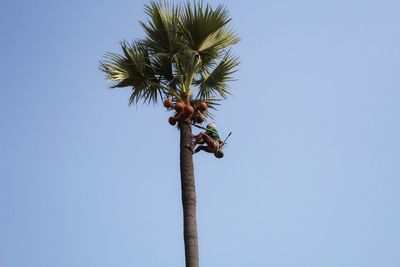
(185, 55)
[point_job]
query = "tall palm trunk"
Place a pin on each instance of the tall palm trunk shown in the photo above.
(188, 197)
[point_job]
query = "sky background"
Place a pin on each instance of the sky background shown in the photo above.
(311, 176)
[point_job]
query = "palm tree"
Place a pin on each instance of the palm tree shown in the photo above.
(185, 58)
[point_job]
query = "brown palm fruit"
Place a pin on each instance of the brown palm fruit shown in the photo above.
(189, 110)
(172, 121)
(200, 118)
(168, 103)
(203, 106)
(179, 107)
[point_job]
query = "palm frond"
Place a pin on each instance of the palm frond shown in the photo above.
(163, 67)
(215, 82)
(161, 27)
(133, 68)
(206, 31)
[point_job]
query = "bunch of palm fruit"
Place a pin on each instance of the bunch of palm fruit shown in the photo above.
(195, 111)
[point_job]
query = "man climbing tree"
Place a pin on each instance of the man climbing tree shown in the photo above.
(185, 60)
(211, 138)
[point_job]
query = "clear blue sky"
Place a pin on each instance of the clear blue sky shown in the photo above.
(311, 177)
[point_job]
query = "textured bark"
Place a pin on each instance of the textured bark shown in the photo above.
(188, 198)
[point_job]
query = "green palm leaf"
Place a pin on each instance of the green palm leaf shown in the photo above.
(205, 30)
(161, 28)
(133, 68)
(215, 82)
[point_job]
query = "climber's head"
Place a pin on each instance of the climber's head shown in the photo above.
(211, 125)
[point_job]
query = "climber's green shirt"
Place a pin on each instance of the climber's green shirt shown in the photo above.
(213, 133)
